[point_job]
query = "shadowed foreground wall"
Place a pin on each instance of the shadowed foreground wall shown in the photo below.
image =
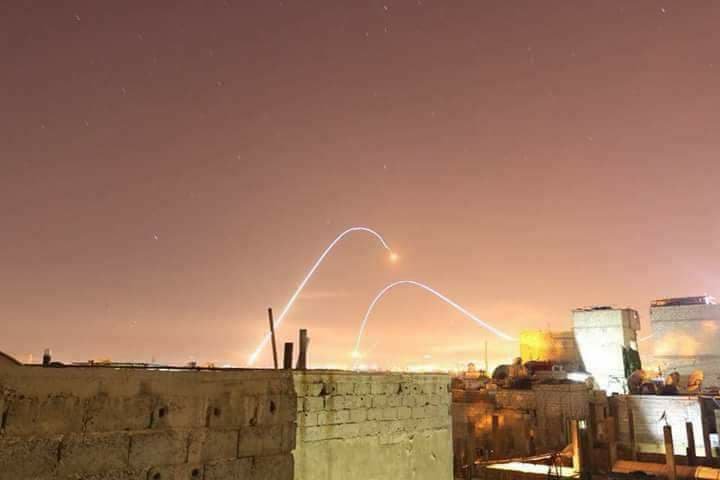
(133, 424)
(373, 426)
(127, 424)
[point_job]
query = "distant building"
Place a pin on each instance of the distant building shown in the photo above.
(607, 340)
(558, 348)
(686, 336)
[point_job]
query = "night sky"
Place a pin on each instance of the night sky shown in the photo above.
(168, 170)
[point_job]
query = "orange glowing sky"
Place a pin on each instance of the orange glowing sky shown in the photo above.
(170, 170)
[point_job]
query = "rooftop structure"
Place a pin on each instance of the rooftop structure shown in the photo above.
(687, 336)
(607, 340)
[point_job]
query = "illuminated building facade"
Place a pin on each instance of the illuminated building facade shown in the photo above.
(686, 336)
(607, 340)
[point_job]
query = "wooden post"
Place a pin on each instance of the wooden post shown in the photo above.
(288, 356)
(272, 335)
(496, 436)
(669, 453)
(611, 430)
(302, 354)
(691, 456)
(470, 450)
(631, 426)
(578, 457)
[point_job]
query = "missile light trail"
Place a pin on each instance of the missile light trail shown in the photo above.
(283, 314)
(471, 316)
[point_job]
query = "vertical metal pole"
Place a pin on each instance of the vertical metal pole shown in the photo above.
(272, 335)
(691, 454)
(288, 356)
(669, 453)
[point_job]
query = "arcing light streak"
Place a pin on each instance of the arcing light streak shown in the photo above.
(281, 317)
(442, 297)
(646, 337)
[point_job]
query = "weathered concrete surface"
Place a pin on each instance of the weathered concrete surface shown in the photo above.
(355, 426)
(602, 337)
(98, 423)
(648, 422)
(541, 412)
(132, 424)
(687, 338)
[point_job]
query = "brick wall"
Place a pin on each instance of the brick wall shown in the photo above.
(124, 424)
(373, 426)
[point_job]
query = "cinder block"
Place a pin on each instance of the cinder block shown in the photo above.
(179, 412)
(251, 441)
(229, 469)
(374, 413)
(210, 444)
(26, 458)
(158, 447)
(262, 440)
(314, 404)
(233, 411)
(408, 400)
(333, 417)
(389, 413)
(50, 415)
(358, 415)
(362, 388)
(377, 388)
(394, 400)
(94, 453)
(105, 413)
(392, 389)
(419, 412)
(345, 388)
(307, 419)
(277, 467)
(404, 412)
(276, 410)
(379, 401)
(335, 402)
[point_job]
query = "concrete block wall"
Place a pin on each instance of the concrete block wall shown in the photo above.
(648, 421)
(126, 424)
(541, 412)
(601, 336)
(373, 426)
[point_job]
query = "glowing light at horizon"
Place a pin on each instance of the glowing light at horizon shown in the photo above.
(356, 352)
(279, 319)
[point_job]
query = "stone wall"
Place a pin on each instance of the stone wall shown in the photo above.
(131, 424)
(373, 426)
